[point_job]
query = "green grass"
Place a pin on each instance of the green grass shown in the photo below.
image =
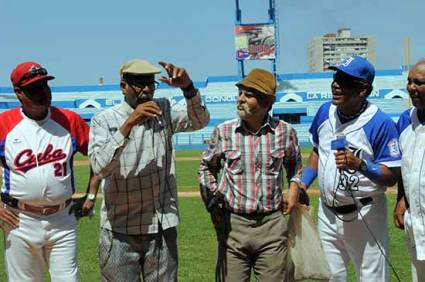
(81, 177)
(197, 245)
(79, 157)
(187, 175)
(180, 153)
(189, 153)
(196, 237)
(186, 171)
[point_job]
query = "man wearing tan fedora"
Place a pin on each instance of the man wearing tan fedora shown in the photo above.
(131, 147)
(247, 202)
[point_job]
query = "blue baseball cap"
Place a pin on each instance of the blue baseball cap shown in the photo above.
(357, 67)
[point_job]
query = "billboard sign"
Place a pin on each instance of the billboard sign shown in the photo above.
(255, 42)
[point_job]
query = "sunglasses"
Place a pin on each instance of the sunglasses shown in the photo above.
(35, 88)
(346, 79)
(33, 73)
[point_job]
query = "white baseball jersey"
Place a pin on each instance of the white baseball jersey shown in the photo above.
(412, 146)
(37, 155)
(372, 136)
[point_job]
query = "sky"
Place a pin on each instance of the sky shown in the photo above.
(81, 40)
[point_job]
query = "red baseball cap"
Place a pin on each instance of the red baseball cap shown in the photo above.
(28, 72)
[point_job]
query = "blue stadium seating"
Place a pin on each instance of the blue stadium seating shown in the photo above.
(298, 95)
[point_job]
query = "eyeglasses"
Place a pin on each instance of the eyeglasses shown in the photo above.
(33, 73)
(140, 84)
(416, 82)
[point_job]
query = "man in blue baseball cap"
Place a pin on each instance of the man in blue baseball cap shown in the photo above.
(356, 156)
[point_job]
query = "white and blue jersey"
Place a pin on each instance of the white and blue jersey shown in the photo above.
(372, 136)
(412, 146)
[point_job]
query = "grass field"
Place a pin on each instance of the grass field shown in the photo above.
(196, 238)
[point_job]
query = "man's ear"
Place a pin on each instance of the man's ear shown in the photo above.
(18, 91)
(365, 92)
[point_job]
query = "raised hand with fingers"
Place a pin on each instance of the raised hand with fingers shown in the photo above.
(177, 76)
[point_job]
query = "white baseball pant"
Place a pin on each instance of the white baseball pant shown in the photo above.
(417, 266)
(343, 241)
(42, 240)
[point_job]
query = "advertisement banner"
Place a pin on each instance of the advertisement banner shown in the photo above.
(255, 42)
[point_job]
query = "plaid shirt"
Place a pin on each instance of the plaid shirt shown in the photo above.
(140, 181)
(252, 178)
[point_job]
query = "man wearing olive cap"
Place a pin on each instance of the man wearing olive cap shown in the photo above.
(246, 203)
(131, 147)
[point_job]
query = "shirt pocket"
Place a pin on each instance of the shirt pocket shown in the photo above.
(275, 162)
(233, 162)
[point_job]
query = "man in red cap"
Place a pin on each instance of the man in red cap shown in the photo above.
(37, 144)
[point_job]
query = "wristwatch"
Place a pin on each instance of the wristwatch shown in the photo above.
(363, 166)
(91, 197)
(298, 180)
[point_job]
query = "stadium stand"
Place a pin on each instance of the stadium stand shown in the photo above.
(297, 100)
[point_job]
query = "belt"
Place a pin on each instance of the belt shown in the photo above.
(253, 215)
(350, 208)
(42, 210)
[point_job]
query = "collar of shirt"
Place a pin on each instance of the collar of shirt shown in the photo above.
(37, 122)
(269, 124)
(126, 108)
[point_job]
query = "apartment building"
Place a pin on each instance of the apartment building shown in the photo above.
(333, 47)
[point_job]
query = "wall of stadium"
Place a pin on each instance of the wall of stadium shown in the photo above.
(297, 100)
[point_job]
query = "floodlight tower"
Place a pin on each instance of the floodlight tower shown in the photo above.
(257, 41)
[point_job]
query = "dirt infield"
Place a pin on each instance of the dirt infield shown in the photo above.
(311, 192)
(315, 192)
(195, 194)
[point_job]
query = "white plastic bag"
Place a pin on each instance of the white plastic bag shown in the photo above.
(304, 247)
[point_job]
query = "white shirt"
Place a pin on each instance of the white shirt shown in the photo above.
(372, 136)
(412, 146)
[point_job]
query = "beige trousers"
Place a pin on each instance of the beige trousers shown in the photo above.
(255, 243)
